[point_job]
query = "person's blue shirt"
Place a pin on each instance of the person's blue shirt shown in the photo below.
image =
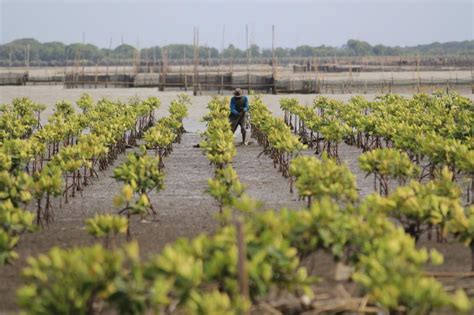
(232, 105)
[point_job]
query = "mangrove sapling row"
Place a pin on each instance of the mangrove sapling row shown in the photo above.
(318, 126)
(20, 119)
(422, 138)
(218, 145)
(178, 111)
(315, 179)
(435, 131)
(168, 130)
(141, 173)
(58, 159)
(108, 124)
(275, 137)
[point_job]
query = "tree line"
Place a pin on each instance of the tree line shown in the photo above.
(57, 53)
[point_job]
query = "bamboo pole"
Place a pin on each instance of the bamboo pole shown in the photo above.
(107, 79)
(154, 59)
(196, 53)
(418, 71)
(65, 65)
(231, 66)
(247, 50)
(185, 69)
(472, 81)
(194, 61)
(208, 65)
(10, 61)
(80, 57)
(27, 58)
(273, 61)
(221, 88)
(148, 68)
(138, 58)
(96, 74)
(164, 67)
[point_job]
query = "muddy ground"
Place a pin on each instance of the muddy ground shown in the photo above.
(184, 209)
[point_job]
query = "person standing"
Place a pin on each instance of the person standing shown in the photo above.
(239, 107)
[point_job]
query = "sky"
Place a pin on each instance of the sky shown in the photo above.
(145, 23)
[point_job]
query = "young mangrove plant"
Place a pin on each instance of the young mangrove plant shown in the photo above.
(47, 184)
(225, 187)
(316, 178)
(387, 164)
(140, 175)
(107, 226)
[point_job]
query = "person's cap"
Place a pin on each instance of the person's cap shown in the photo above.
(237, 92)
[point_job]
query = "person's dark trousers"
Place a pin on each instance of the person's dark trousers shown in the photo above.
(238, 120)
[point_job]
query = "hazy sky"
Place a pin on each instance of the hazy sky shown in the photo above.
(403, 22)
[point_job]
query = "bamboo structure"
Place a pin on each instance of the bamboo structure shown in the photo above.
(269, 74)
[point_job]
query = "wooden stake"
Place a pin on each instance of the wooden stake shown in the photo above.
(164, 66)
(242, 260)
(208, 65)
(196, 55)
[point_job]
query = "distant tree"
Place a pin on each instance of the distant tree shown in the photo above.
(266, 53)
(282, 52)
(234, 52)
(255, 51)
(56, 53)
(52, 51)
(359, 48)
(304, 51)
